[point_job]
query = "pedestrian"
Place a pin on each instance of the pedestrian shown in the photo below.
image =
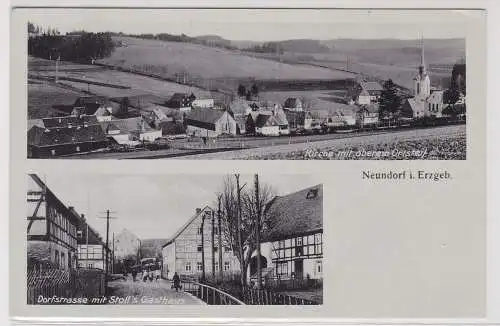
(145, 275)
(134, 274)
(177, 282)
(158, 274)
(151, 274)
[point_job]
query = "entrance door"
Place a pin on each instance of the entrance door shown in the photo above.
(299, 268)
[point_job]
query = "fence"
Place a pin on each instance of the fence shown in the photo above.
(211, 295)
(62, 283)
(269, 297)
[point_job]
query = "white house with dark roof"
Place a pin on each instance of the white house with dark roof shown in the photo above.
(292, 240)
(210, 123)
(182, 253)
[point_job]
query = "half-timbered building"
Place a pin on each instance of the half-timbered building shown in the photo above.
(51, 228)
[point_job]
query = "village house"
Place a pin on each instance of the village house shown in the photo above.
(367, 116)
(65, 135)
(181, 101)
(339, 120)
(210, 123)
(91, 247)
(268, 123)
(183, 252)
(293, 104)
(298, 121)
(130, 131)
(51, 228)
(292, 241)
(366, 93)
(90, 104)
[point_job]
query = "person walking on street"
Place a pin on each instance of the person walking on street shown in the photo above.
(145, 275)
(134, 274)
(158, 274)
(177, 282)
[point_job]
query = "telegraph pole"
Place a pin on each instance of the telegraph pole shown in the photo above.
(240, 242)
(113, 256)
(220, 237)
(106, 270)
(202, 247)
(257, 232)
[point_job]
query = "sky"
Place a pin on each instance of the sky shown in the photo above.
(152, 206)
(259, 24)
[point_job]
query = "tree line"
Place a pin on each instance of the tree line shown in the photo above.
(77, 47)
(268, 47)
(183, 38)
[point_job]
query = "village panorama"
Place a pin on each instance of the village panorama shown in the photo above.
(242, 240)
(117, 95)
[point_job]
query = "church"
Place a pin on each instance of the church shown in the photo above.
(426, 102)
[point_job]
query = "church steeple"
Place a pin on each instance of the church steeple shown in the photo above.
(421, 67)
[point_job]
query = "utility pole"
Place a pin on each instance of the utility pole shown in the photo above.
(220, 237)
(240, 242)
(113, 256)
(106, 270)
(202, 231)
(257, 232)
(57, 68)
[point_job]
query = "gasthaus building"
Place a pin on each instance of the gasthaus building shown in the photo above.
(183, 252)
(292, 242)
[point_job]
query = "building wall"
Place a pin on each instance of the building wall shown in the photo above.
(201, 132)
(284, 254)
(226, 125)
(435, 104)
(150, 135)
(363, 100)
(268, 131)
(188, 256)
(92, 256)
(169, 267)
(52, 235)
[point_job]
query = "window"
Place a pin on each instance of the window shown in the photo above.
(281, 244)
(90, 265)
(216, 265)
(282, 269)
(215, 249)
(216, 230)
(199, 266)
(199, 230)
(63, 259)
(188, 267)
(227, 266)
(299, 241)
(200, 248)
(56, 253)
(227, 249)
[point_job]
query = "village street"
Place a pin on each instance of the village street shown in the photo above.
(156, 292)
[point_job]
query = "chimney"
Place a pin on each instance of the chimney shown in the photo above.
(83, 217)
(198, 210)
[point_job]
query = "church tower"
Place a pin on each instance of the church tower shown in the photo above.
(422, 83)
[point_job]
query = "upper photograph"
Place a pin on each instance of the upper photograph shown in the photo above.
(246, 84)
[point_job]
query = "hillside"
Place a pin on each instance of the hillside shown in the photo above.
(200, 62)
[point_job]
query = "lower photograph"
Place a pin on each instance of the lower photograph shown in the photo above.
(235, 239)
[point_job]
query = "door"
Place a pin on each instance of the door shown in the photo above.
(299, 268)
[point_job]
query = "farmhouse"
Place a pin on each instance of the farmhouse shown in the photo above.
(51, 228)
(65, 135)
(240, 107)
(129, 131)
(298, 121)
(210, 123)
(91, 248)
(367, 115)
(181, 101)
(293, 104)
(366, 93)
(183, 252)
(435, 104)
(91, 104)
(292, 244)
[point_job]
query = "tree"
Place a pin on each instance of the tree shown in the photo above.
(242, 91)
(390, 101)
(254, 90)
(241, 213)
